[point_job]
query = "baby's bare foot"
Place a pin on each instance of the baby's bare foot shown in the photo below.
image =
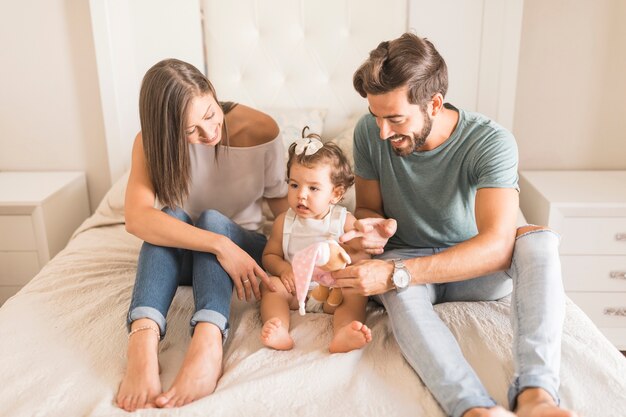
(200, 371)
(275, 335)
(141, 383)
(351, 336)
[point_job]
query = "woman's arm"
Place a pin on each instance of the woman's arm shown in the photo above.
(277, 205)
(153, 225)
(159, 228)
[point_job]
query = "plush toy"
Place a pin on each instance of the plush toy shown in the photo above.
(315, 263)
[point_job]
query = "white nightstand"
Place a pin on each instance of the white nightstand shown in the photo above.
(39, 211)
(588, 208)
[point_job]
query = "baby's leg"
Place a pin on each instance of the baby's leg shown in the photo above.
(275, 308)
(350, 332)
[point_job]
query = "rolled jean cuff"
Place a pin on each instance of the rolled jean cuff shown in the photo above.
(213, 317)
(474, 402)
(147, 313)
(532, 381)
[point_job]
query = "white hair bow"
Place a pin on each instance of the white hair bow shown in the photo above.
(308, 145)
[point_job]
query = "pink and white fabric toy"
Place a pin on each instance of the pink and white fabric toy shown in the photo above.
(315, 263)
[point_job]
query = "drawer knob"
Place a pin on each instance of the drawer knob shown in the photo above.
(618, 274)
(620, 236)
(615, 311)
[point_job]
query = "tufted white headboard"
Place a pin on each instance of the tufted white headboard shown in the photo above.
(297, 53)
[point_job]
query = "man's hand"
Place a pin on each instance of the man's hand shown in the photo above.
(374, 234)
(369, 277)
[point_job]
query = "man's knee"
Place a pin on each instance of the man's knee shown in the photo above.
(414, 298)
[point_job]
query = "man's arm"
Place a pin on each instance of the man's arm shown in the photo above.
(369, 202)
(372, 228)
(489, 251)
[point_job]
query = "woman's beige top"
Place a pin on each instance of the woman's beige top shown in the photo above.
(237, 181)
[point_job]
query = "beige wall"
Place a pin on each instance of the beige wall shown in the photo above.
(50, 113)
(570, 108)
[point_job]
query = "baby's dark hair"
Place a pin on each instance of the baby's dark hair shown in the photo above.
(340, 174)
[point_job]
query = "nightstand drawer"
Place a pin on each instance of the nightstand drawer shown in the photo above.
(17, 233)
(594, 273)
(604, 309)
(593, 236)
(18, 267)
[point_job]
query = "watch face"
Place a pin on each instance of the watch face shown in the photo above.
(401, 278)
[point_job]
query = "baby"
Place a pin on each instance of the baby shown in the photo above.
(319, 175)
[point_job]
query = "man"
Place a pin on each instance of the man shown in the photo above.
(449, 179)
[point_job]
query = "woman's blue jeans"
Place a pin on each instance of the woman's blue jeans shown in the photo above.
(537, 314)
(160, 270)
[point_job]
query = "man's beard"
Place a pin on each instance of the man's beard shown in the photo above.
(417, 140)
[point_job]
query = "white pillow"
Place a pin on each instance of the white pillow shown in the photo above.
(292, 121)
(112, 205)
(345, 141)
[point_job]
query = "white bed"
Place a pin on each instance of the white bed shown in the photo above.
(63, 336)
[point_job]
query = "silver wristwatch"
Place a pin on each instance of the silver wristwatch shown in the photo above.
(401, 276)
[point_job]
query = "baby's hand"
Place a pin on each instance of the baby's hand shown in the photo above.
(288, 281)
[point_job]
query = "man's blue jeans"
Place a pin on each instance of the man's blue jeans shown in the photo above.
(160, 270)
(537, 314)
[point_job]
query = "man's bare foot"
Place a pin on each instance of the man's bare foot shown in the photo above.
(141, 383)
(275, 335)
(200, 371)
(351, 336)
(496, 411)
(535, 402)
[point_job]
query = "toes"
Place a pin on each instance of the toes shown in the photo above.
(162, 400)
(356, 325)
(125, 403)
(132, 404)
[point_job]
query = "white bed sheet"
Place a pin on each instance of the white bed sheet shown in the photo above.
(63, 347)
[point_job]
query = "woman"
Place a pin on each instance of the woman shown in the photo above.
(211, 181)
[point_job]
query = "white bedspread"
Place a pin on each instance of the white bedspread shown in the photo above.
(63, 347)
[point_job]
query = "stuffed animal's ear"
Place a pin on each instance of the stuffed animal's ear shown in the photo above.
(344, 255)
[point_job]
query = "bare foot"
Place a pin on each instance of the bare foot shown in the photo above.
(275, 335)
(535, 402)
(496, 411)
(200, 371)
(141, 383)
(351, 336)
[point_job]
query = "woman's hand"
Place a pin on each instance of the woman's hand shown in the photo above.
(374, 234)
(288, 281)
(243, 270)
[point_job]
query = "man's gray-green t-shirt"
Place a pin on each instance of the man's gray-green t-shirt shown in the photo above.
(431, 194)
